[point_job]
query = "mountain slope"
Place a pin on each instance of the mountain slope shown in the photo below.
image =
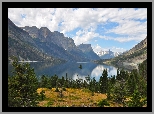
(130, 59)
(56, 44)
(21, 45)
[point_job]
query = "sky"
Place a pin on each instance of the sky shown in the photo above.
(117, 29)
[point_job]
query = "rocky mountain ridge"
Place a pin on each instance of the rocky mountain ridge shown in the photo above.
(21, 45)
(87, 49)
(132, 58)
(42, 44)
(137, 47)
(129, 59)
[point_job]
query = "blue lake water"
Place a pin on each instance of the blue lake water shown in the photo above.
(72, 69)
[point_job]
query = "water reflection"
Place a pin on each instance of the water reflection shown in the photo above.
(97, 71)
(72, 69)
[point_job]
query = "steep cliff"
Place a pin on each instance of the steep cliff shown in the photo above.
(87, 49)
(57, 45)
(22, 45)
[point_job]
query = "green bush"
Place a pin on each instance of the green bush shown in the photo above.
(63, 88)
(57, 90)
(49, 103)
(103, 103)
(42, 96)
(135, 101)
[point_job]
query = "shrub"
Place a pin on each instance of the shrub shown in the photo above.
(103, 103)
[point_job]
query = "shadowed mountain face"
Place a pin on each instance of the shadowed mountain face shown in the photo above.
(88, 51)
(21, 44)
(57, 45)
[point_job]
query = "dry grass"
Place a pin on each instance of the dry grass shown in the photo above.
(76, 97)
(73, 97)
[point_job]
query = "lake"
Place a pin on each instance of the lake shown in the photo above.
(72, 69)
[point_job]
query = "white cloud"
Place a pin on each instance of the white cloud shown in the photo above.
(78, 76)
(98, 48)
(121, 39)
(34, 16)
(84, 37)
(117, 49)
(86, 19)
(136, 38)
(130, 27)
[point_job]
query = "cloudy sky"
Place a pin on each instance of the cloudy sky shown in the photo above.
(117, 29)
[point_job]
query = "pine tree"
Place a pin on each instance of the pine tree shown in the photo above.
(136, 100)
(42, 95)
(44, 82)
(120, 91)
(104, 81)
(53, 80)
(131, 83)
(22, 86)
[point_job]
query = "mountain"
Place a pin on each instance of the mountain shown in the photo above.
(22, 45)
(34, 44)
(138, 47)
(107, 54)
(56, 44)
(129, 59)
(87, 49)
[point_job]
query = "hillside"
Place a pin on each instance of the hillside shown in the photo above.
(34, 44)
(57, 45)
(130, 59)
(21, 45)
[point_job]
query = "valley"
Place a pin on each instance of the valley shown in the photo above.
(96, 83)
(130, 59)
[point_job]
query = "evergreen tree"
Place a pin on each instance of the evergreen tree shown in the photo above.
(22, 86)
(136, 100)
(100, 84)
(118, 74)
(109, 89)
(131, 83)
(62, 80)
(45, 82)
(112, 80)
(120, 92)
(53, 80)
(94, 85)
(42, 95)
(66, 83)
(104, 81)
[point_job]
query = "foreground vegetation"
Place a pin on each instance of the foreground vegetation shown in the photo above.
(71, 97)
(127, 89)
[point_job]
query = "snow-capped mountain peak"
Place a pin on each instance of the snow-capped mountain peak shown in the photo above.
(107, 54)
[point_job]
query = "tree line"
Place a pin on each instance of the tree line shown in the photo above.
(23, 85)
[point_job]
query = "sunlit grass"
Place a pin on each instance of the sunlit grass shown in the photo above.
(75, 97)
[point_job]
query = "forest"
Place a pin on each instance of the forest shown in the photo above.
(128, 89)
